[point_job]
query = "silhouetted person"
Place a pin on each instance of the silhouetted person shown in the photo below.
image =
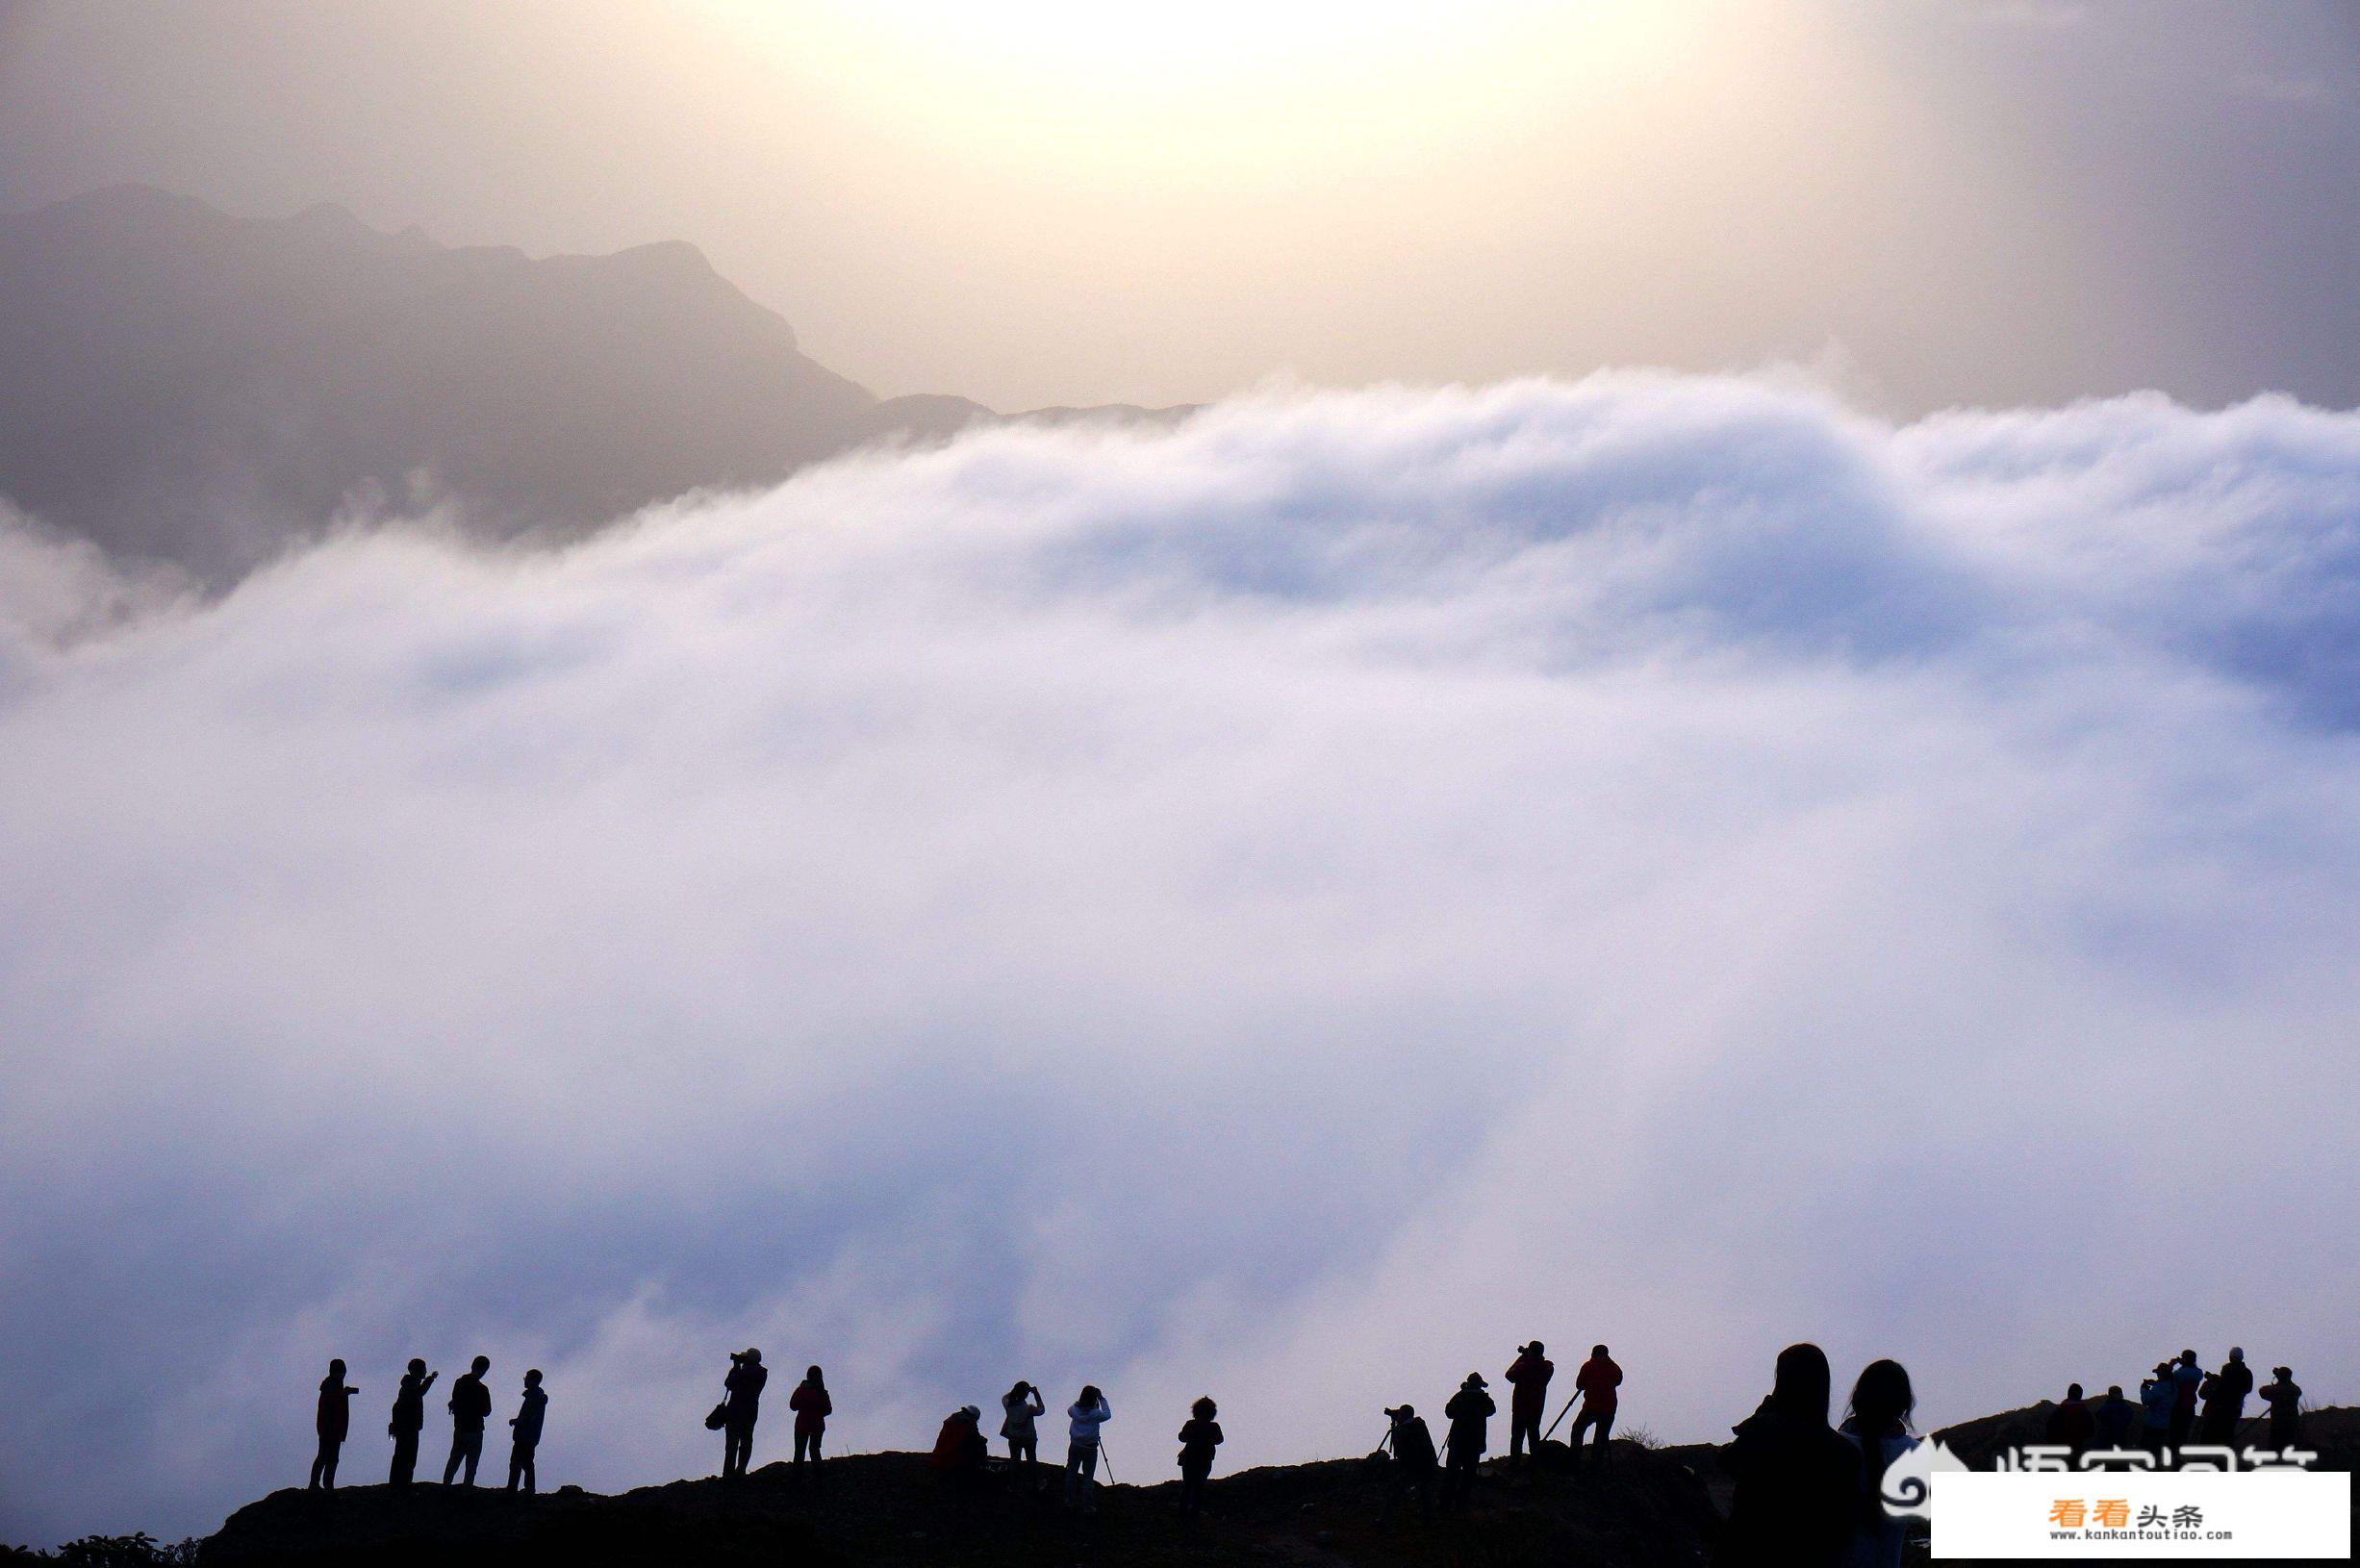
(1797, 1482)
(1415, 1463)
(1877, 1426)
(2285, 1401)
(2070, 1425)
(332, 1421)
(2159, 1394)
(1018, 1407)
(2224, 1397)
(812, 1407)
(524, 1432)
(1088, 1414)
(1469, 1413)
(1598, 1382)
(470, 1406)
(959, 1453)
(1529, 1406)
(409, 1420)
(2117, 1418)
(741, 1408)
(1198, 1436)
(2187, 1377)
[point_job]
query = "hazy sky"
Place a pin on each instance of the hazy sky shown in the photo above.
(1287, 902)
(1056, 201)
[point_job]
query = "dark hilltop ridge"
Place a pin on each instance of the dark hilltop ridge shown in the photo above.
(202, 390)
(1653, 1506)
(890, 1508)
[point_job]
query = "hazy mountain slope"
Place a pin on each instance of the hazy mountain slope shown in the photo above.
(183, 385)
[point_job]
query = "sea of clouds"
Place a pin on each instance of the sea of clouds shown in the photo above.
(1285, 906)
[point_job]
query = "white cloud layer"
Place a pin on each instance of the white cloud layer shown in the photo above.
(1284, 907)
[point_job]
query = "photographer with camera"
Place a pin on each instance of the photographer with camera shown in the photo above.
(741, 1407)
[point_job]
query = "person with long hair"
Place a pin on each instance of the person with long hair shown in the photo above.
(1088, 1414)
(1019, 1406)
(1877, 1425)
(812, 1407)
(1198, 1438)
(1797, 1482)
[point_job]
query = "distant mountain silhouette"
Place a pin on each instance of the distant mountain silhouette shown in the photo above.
(185, 386)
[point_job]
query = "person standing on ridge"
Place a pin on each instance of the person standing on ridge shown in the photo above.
(741, 1408)
(2116, 1418)
(409, 1420)
(2157, 1395)
(959, 1453)
(2224, 1404)
(812, 1407)
(1019, 1406)
(2071, 1426)
(2187, 1377)
(1877, 1424)
(1798, 1484)
(1529, 1406)
(524, 1433)
(1597, 1380)
(471, 1407)
(1415, 1461)
(1469, 1413)
(331, 1421)
(1199, 1437)
(2285, 1401)
(1088, 1414)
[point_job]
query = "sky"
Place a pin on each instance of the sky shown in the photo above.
(1047, 201)
(1737, 724)
(1287, 906)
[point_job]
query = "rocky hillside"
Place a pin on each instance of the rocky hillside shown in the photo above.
(888, 1508)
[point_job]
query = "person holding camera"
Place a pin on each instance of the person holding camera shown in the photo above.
(1019, 1406)
(1414, 1464)
(740, 1409)
(1088, 1414)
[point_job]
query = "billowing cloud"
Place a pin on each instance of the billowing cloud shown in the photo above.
(1285, 906)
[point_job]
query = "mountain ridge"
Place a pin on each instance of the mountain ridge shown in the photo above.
(206, 391)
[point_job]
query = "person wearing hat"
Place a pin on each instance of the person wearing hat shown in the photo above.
(1469, 1413)
(741, 1408)
(960, 1448)
(1414, 1459)
(1530, 1377)
(409, 1420)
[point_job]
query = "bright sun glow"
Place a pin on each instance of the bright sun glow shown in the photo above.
(1234, 84)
